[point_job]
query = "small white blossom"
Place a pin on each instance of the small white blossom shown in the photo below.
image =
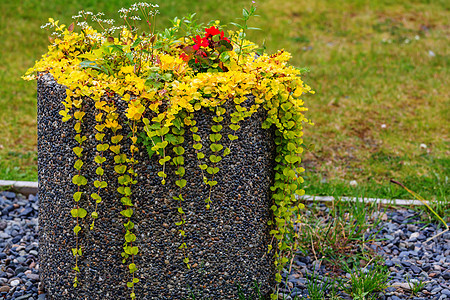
(82, 24)
(135, 18)
(46, 25)
(353, 183)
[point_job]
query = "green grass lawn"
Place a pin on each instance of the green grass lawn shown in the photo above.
(380, 70)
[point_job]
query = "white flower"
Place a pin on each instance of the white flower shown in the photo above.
(135, 18)
(353, 183)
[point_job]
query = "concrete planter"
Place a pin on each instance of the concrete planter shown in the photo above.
(227, 244)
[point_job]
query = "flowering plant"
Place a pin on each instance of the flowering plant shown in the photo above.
(206, 52)
(165, 78)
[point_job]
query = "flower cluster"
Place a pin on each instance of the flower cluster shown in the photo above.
(206, 51)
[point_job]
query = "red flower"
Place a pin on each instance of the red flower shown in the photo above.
(224, 38)
(184, 56)
(212, 31)
(200, 42)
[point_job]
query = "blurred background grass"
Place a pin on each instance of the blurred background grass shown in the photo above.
(379, 69)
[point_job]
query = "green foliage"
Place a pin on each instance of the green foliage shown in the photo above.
(365, 283)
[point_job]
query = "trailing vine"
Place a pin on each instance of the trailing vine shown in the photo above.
(165, 80)
(79, 180)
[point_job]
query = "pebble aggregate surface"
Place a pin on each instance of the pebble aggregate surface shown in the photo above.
(226, 244)
(406, 255)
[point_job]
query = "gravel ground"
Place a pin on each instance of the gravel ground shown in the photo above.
(407, 255)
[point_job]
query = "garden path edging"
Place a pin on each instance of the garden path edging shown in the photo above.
(22, 187)
(31, 187)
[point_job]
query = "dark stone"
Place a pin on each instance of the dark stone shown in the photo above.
(9, 195)
(426, 267)
(415, 269)
(27, 211)
(227, 244)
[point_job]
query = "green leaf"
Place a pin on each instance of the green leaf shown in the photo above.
(76, 229)
(129, 225)
(216, 128)
(203, 167)
(245, 13)
(181, 183)
(215, 137)
(123, 180)
(216, 147)
(78, 164)
(170, 138)
(79, 180)
(130, 285)
(94, 215)
(217, 119)
(126, 201)
(196, 138)
(77, 196)
(215, 159)
(93, 65)
(232, 137)
(180, 210)
(226, 151)
(134, 250)
(132, 268)
(115, 139)
(77, 151)
(95, 196)
(234, 127)
(74, 212)
(129, 237)
(80, 139)
(82, 213)
(127, 213)
(120, 169)
(102, 147)
(181, 171)
(75, 250)
(200, 155)
(100, 184)
(178, 150)
(135, 280)
(99, 171)
(99, 136)
(120, 158)
(197, 146)
(98, 159)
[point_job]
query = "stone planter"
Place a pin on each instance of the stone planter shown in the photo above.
(227, 244)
